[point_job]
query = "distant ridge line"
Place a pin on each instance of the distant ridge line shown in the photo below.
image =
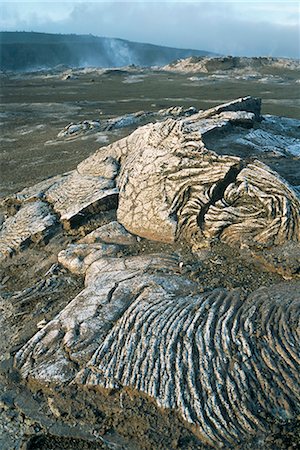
(23, 50)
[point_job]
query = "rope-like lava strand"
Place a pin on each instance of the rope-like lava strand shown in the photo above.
(227, 365)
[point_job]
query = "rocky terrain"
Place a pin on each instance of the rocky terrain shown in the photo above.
(263, 70)
(150, 296)
(209, 64)
(38, 106)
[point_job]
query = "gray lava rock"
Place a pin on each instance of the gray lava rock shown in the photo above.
(226, 362)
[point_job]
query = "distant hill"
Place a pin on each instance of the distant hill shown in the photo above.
(29, 51)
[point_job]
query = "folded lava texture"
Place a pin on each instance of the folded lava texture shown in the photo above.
(226, 361)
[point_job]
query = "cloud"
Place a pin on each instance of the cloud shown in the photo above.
(238, 28)
(28, 15)
(281, 13)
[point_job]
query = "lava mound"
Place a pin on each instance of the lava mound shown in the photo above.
(141, 221)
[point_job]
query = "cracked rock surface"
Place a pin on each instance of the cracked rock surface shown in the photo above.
(161, 303)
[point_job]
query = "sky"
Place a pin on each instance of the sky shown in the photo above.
(239, 28)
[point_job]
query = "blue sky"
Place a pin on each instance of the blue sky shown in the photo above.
(253, 28)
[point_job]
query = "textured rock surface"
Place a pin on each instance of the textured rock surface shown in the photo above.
(226, 63)
(30, 223)
(259, 207)
(228, 364)
(184, 191)
(112, 233)
(171, 185)
(76, 193)
(217, 358)
(73, 336)
(268, 142)
(88, 126)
